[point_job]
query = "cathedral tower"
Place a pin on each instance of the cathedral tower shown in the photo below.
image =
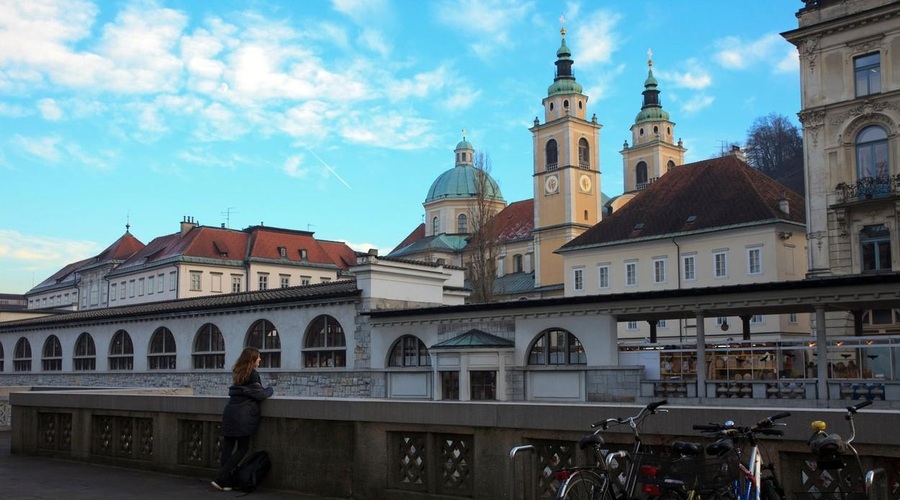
(653, 150)
(567, 199)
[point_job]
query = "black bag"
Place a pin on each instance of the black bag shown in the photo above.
(251, 471)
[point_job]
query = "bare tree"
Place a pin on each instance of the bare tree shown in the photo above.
(483, 247)
(774, 146)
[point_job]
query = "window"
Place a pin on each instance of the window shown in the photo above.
(209, 348)
(285, 280)
(603, 276)
(409, 351)
(282, 252)
(551, 155)
(263, 281)
(303, 254)
(162, 350)
(662, 324)
(122, 288)
(173, 283)
(131, 288)
(150, 285)
(325, 344)
(22, 356)
(659, 270)
(305, 280)
(720, 263)
(584, 153)
(462, 224)
(121, 352)
(85, 358)
(195, 281)
(215, 281)
(689, 267)
(579, 279)
(235, 284)
(754, 261)
(872, 155)
(640, 174)
(1, 357)
(501, 267)
(630, 273)
(112, 292)
(518, 263)
(264, 337)
(792, 318)
(556, 347)
(875, 243)
(51, 358)
(756, 319)
(161, 283)
(721, 321)
(670, 165)
(141, 287)
(867, 71)
(435, 226)
(632, 325)
(450, 386)
(483, 385)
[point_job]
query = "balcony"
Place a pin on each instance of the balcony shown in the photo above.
(868, 188)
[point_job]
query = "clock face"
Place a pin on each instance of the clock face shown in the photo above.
(551, 185)
(585, 183)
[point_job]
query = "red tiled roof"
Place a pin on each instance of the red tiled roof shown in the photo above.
(716, 193)
(417, 234)
(516, 221)
(122, 249)
(340, 253)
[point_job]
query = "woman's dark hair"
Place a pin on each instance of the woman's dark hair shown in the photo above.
(244, 366)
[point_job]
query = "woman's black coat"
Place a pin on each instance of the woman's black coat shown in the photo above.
(241, 415)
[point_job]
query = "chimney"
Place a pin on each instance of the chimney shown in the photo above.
(373, 252)
(187, 223)
(738, 152)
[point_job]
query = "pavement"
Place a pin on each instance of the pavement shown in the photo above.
(33, 478)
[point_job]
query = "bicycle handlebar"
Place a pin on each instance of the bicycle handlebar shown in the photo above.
(647, 410)
(860, 405)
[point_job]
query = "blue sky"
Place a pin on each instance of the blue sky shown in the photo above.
(334, 116)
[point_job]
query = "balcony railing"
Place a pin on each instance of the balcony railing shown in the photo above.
(644, 185)
(868, 188)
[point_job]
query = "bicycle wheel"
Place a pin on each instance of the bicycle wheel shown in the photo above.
(585, 485)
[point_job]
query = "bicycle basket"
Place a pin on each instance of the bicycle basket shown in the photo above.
(705, 473)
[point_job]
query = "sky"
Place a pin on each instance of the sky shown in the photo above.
(335, 116)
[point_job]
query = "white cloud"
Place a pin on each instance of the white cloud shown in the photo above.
(374, 40)
(460, 99)
(310, 119)
(50, 110)
(292, 167)
(27, 248)
(362, 11)
(735, 53)
(54, 150)
(693, 76)
(488, 22)
(595, 37)
(790, 63)
(696, 103)
(391, 130)
(14, 111)
(46, 148)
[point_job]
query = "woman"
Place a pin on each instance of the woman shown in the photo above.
(241, 415)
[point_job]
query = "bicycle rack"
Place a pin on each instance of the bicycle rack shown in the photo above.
(528, 487)
(877, 485)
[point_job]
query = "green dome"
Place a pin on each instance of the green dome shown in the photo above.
(564, 87)
(652, 108)
(652, 114)
(464, 144)
(460, 182)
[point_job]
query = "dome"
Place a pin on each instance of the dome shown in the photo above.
(650, 114)
(464, 144)
(460, 182)
(564, 87)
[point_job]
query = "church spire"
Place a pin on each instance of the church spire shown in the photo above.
(651, 109)
(564, 81)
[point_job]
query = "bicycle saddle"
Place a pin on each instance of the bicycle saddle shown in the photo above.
(720, 447)
(590, 440)
(686, 449)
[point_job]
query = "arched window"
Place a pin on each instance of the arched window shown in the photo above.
(872, 153)
(584, 153)
(670, 165)
(435, 226)
(1, 358)
(325, 344)
(209, 348)
(121, 352)
(552, 155)
(85, 358)
(556, 347)
(51, 358)
(640, 174)
(162, 352)
(264, 336)
(462, 224)
(408, 351)
(22, 356)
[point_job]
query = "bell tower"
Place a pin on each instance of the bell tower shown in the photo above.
(567, 199)
(653, 151)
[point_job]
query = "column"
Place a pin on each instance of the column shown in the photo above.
(821, 355)
(701, 355)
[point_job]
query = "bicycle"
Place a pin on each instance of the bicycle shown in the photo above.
(853, 481)
(595, 482)
(725, 475)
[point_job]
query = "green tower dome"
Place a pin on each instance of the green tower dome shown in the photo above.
(651, 110)
(564, 82)
(462, 181)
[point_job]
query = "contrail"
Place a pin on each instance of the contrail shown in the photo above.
(326, 165)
